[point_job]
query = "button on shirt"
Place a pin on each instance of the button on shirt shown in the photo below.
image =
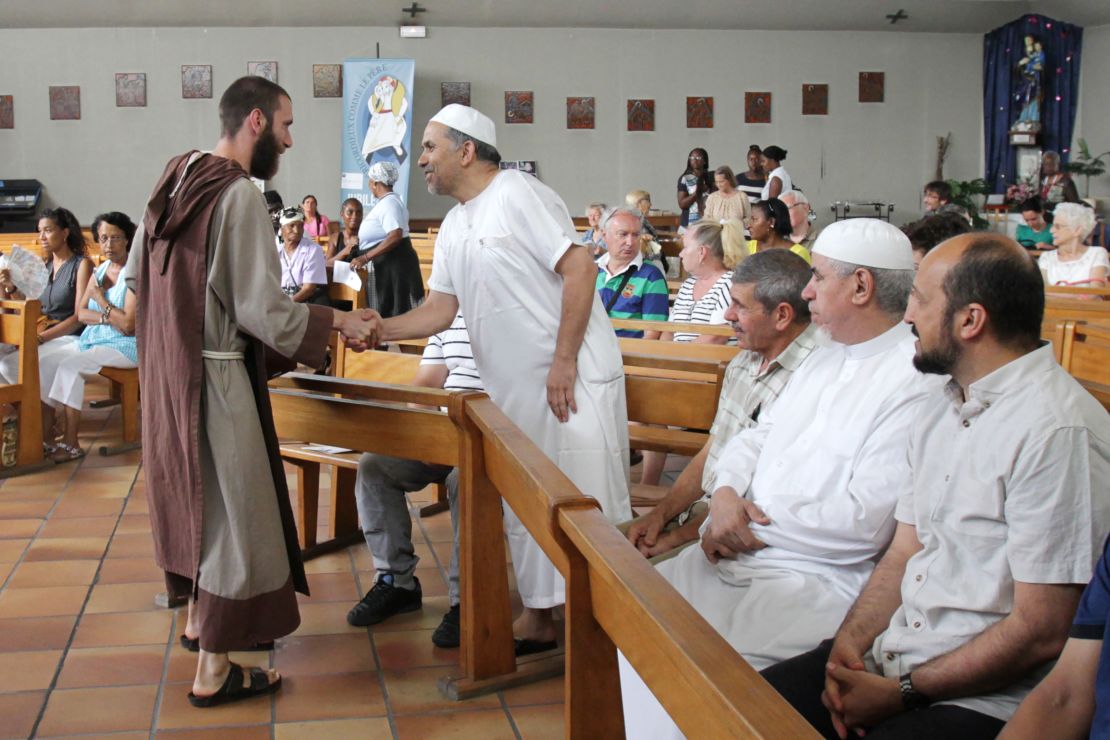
(748, 392)
(1008, 485)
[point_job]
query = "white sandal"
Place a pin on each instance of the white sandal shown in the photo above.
(65, 453)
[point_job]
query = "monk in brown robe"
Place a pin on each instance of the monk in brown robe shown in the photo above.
(210, 306)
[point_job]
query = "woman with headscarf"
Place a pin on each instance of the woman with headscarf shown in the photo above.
(393, 284)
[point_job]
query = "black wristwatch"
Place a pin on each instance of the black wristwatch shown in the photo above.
(911, 697)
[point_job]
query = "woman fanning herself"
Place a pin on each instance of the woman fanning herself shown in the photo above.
(770, 229)
(394, 285)
(108, 315)
(345, 240)
(63, 248)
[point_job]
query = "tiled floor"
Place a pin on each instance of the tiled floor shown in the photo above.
(84, 651)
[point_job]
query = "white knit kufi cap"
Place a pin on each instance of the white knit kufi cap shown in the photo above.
(867, 242)
(469, 121)
(384, 172)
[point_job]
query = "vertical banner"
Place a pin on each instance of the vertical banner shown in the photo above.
(377, 123)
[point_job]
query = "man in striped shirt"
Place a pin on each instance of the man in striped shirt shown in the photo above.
(629, 288)
(380, 490)
(772, 325)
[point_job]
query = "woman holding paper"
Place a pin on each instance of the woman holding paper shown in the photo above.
(63, 249)
(394, 284)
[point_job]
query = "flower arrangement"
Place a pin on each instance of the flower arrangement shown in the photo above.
(1020, 192)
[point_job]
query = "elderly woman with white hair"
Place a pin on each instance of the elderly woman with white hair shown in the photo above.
(1073, 263)
(394, 284)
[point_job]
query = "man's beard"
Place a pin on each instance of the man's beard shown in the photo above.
(264, 158)
(939, 361)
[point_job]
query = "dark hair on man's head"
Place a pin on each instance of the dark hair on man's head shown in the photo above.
(114, 218)
(483, 152)
(939, 187)
(1033, 204)
(779, 276)
(63, 218)
(928, 232)
(243, 96)
(775, 209)
(1001, 277)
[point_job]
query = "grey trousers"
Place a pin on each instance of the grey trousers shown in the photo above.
(380, 489)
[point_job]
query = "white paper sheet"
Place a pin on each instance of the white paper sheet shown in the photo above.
(342, 273)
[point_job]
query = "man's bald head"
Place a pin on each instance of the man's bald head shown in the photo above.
(996, 273)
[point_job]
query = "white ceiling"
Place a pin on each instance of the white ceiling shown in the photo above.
(952, 16)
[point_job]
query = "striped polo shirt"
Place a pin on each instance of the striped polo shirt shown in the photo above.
(709, 309)
(644, 295)
(451, 347)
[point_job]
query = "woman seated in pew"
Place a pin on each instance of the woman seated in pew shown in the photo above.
(709, 252)
(393, 283)
(344, 241)
(64, 252)
(107, 314)
(316, 225)
(770, 229)
(303, 277)
(592, 237)
(1072, 263)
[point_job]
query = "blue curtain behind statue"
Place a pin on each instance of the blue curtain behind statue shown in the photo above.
(1002, 49)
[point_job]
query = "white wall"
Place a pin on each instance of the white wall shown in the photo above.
(112, 156)
(1094, 101)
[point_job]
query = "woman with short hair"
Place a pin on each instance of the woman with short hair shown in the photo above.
(778, 179)
(1073, 263)
(345, 239)
(394, 285)
(751, 181)
(592, 237)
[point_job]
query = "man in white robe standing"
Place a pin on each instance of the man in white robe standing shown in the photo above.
(508, 255)
(804, 501)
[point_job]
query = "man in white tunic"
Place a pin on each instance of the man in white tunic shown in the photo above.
(508, 255)
(804, 501)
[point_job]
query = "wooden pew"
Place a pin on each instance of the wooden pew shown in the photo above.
(720, 330)
(123, 389)
(19, 327)
(1086, 356)
(615, 599)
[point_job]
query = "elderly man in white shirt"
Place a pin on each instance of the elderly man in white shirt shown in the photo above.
(998, 534)
(508, 254)
(804, 500)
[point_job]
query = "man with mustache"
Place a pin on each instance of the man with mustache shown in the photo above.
(210, 305)
(803, 502)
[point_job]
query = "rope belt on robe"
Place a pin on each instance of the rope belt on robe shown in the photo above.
(211, 354)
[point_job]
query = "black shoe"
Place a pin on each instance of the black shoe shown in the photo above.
(383, 601)
(447, 633)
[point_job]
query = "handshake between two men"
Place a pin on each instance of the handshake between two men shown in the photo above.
(361, 330)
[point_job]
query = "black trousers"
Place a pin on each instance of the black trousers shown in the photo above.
(801, 680)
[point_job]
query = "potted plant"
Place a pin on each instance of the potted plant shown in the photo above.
(965, 193)
(1086, 165)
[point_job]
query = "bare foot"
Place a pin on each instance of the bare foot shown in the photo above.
(536, 624)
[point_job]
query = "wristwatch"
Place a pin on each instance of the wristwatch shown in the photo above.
(911, 697)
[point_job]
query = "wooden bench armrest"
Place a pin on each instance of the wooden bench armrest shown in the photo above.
(659, 439)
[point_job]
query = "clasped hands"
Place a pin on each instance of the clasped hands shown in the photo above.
(361, 330)
(729, 532)
(856, 698)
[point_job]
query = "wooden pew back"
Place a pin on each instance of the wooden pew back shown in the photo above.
(19, 327)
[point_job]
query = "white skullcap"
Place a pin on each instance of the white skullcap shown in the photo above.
(867, 242)
(384, 172)
(469, 121)
(292, 214)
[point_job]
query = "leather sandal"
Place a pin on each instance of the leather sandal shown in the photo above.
(234, 690)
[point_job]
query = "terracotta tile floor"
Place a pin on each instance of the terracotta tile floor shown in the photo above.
(84, 651)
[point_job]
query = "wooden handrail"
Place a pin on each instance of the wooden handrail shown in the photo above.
(1067, 291)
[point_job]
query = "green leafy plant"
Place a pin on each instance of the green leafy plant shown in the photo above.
(967, 194)
(1086, 165)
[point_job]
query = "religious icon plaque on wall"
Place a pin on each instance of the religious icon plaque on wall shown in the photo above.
(872, 87)
(699, 112)
(757, 107)
(641, 114)
(519, 106)
(130, 90)
(265, 70)
(454, 92)
(7, 111)
(580, 113)
(65, 103)
(815, 99)
(327, 80)
(196, 81)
